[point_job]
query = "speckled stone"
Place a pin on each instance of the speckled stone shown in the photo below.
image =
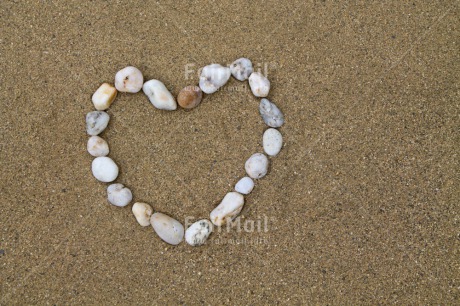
(198, 232)
(271, 114)
(96, 122)
(241, 69)
(272, 141)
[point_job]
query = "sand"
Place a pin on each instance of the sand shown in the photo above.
(360, 207)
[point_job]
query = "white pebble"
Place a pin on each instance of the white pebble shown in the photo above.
(119, 195)
(213, 77)
(260, 85)
(97, 146)
(198, 232)
(272, 142)
(271, 114)
(104, 169)
(245, 185)
(96, 122)
(241, 69)
(229, 208)
(257, 166)
(159, 95)
(169, 229)
(104, 96)
(129, 79)
(142, 212)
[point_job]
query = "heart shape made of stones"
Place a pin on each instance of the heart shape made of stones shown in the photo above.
(212, 78)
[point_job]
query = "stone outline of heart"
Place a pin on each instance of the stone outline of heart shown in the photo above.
(235, 200)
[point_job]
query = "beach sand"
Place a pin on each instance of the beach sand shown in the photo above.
(360, 207)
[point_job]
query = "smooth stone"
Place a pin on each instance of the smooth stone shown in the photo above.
(104, 169)
(271, 114)
(97, 146)
(142, 212)
(257, 166)
(104, 96)
(260, 85)
(119, 195)
(245, 185)
(129, 79)
(198, 232)
(169, 229)
(190, 97)
(229, 208)
(272, 141)
(159, 95)
(241, 69)
(213, 77)
(96, 122)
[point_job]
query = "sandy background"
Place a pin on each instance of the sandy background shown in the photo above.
(362, 202)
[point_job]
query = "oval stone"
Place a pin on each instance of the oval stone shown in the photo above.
(272, 141)
(167, 228)
(97, 146)
(271, 114)
(104, 169)
(190, 97)
(257, 166)
(245, 185)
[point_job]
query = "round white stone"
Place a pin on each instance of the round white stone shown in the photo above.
(229, 208)
(245, 185)
(167, 228)
(260, 85)
(104, 96)
(129, 79)
(198, 232)
(97, 146)
(119, 195)
(241, 69)
(272, 142)
(96, 122)
(104, 169)
(257, 166)
(142, 212)
(213, 77)
(159, 95)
